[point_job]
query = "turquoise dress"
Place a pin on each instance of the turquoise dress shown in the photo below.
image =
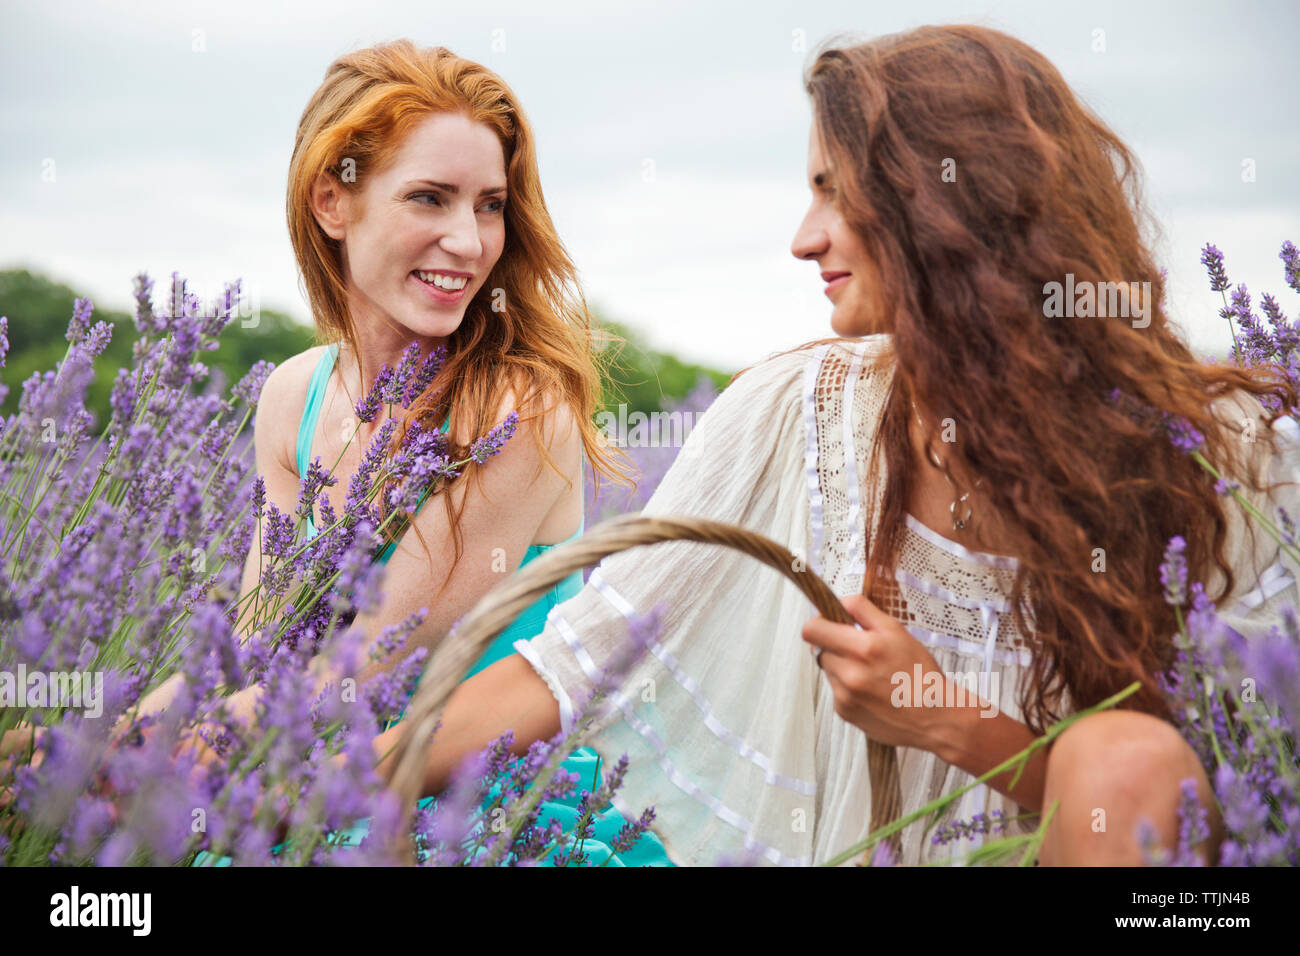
(648, 850)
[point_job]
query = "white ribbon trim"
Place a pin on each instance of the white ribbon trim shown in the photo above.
(688, 683)
(935, 590)
(810, 374)
(968, 648)
(678, 779)
(529, 653)
(979, 557)
(1272, 581)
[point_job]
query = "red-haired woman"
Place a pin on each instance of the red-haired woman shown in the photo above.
(416, 214)
(956, 463)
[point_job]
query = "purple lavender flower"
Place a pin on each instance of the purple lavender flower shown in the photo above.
(1212, 259)
(491, 444)
(1274, 662)
(1183, 435)
(883, 855)
(1286, 525)
(144, 317)
(980, 823)
(629, 833)
(249, 388)
(1193, 824)
(317, 478)
(367, 408)
(123, 399)
(1224, 486)
(423, 377)
(81, 310)
(456, 819)
(1291, 264)
(1173, 572)
(97, 339)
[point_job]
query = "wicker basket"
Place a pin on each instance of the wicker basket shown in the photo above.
(498, 609)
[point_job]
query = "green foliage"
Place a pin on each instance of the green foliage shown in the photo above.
(39, 309)
(643, 377)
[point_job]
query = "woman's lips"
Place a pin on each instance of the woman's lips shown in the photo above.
(834, 280)
(441, 296)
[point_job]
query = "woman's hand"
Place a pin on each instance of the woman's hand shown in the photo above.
(23, 739)
(872, 670)
(242, 708)
(241, 705)
(152, 704)
(156, 701)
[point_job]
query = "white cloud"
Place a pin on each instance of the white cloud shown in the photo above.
(172, 159)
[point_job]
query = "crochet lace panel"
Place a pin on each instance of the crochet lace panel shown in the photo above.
(940, 588)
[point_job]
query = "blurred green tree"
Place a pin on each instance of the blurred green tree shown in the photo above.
(644, 378)
(39, 309)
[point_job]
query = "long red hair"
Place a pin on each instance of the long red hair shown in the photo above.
(538, 336)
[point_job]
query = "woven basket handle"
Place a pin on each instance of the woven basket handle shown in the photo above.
(497, 609)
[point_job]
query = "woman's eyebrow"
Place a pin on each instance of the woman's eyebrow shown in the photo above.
(453, 189)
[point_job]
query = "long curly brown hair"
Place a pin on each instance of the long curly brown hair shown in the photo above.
(975, 178)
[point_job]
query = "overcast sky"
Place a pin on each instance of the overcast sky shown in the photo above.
(167, 157)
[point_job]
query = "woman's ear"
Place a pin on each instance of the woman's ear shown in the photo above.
(329, 204)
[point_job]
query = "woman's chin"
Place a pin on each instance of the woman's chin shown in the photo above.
(433, 325)
(849, 324)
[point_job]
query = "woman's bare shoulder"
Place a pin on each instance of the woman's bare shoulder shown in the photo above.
(291, 376)
(548, 413)
(280, 407)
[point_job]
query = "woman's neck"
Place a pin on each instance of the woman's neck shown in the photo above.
(376, 348)
(930, 494)
(380, 341)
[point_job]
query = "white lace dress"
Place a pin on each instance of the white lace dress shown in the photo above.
(729, 725)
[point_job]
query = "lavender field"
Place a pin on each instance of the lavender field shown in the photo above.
(121, 567)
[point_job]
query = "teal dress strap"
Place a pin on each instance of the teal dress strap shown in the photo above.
(311, 410)
(307, 428)
(310, 413)
(649, 851)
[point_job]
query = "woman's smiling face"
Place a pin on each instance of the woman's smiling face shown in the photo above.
(826, 238)
(434, 217)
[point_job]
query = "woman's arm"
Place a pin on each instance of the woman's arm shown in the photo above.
(978, 743)
(273, 430)
(863, 665)
(506, 696)
(501, 504)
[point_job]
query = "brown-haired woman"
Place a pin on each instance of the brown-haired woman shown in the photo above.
(958, 456)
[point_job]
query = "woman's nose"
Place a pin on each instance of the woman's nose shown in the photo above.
(461, 238)
(810, 241)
